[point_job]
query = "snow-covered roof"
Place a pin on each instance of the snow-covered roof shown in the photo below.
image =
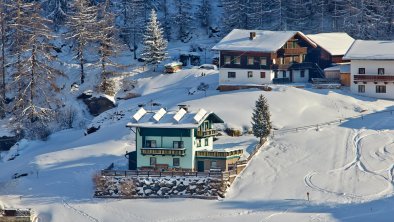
(345, 68)
(265, 41)
(371, 50)
(189, 120)
(335, 43)
(333, 68)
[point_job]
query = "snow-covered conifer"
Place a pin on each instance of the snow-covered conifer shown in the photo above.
(261, 119)
(57, 11)
(83, 29)
(155, 45)
(35, 77)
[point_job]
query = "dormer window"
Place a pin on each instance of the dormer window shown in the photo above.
(380, 71)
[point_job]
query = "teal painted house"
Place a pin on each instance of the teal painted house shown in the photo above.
(171, 140)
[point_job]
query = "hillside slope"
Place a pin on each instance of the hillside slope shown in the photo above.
(347, 169)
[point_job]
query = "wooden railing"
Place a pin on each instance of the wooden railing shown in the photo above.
(163, 151)
(223, 154)
(206, 133)
(294, 51)
(374, 78)
(135, 173)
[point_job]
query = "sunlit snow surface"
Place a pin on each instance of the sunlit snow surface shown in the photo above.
(346, 168)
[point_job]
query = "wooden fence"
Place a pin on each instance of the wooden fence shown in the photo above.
(329, 123)
(136, 173)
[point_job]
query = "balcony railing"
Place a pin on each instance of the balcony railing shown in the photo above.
(164, 151)
(206, 133)
(294, 51)
(374, 78)
(220, 153)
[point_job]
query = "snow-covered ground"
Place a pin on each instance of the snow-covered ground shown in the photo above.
(346, 168)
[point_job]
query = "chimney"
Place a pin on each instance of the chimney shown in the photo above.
(252, 35)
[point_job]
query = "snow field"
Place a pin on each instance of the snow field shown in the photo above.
(347, 169)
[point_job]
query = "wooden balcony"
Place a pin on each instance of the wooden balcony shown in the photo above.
(219, 153)
(281, 66)
(374, 78)
(293, 51)
(164, 151)
(206, 133)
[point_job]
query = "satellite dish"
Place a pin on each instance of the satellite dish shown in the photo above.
(159, 114)
(139, 114)
(178, 116)
(200, 114)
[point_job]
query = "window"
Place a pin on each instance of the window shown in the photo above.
(150, 143)
(206, 142)
(214, 164)
(250, 74)
(302, 73)
(380, 71)
(284, 74)
(231, 74)
(178, 144)
(198, 143)
(263, 61)
(175, 162)
(294, 44)
(227, 60)
(380, 89)
(262, 75)
(292, 58)
(361, 70)
(250, 60)
(152, 161)
(281, 60)
(237, 60)
(361, 88)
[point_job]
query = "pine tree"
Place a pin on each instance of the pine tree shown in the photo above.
(204, 14)
(155, 45)
(57, 11)
(133, 16)
(109, 43)
(83, 31)
(261, 119)
(35, 77)
(183, 20)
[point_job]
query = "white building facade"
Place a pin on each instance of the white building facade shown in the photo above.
(372, 68)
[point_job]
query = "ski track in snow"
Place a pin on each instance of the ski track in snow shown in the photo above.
(357, 162)
(80, 212)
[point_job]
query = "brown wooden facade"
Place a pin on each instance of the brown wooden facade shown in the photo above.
(324, 59)
(297, 50)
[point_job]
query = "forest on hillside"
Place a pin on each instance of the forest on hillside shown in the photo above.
(34, 32)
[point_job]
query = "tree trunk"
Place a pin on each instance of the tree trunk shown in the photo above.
(3, 91)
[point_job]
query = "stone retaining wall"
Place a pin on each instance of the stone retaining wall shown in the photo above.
(145, 187)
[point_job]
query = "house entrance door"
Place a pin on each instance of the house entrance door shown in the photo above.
(200, 166)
